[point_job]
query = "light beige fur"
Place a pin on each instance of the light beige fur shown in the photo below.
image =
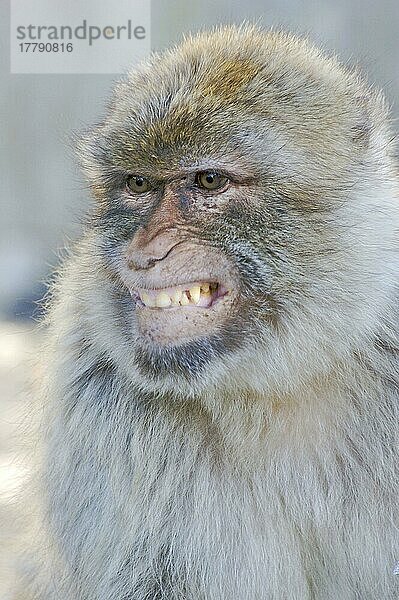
(273, 473)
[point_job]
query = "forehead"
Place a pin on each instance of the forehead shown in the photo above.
(183, 106)
(174, 107)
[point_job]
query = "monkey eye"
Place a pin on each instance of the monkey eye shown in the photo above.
(211, 180)
(138, 184)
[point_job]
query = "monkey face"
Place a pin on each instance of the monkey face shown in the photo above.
(182, 287)
(170, 239)
(225, 186)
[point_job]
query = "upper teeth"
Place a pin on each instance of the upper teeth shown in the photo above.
(195, 293)
(163, 300)
(178, 296)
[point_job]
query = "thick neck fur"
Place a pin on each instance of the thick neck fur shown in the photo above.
(246, 496)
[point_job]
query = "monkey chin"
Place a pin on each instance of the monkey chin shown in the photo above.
(173, 316)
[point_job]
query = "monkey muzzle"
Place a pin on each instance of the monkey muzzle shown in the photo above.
(178, 314)
(185, 291)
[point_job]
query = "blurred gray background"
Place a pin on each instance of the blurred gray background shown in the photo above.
(42, 193)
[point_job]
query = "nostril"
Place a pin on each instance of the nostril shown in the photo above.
(137, 262)
(141, 260)
(143, 256)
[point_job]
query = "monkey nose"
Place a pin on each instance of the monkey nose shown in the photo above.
(140, 261)
(142, 253)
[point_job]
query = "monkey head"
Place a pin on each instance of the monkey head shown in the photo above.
(240, 182)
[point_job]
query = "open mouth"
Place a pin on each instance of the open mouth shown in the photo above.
(188, 295)
(182, 313)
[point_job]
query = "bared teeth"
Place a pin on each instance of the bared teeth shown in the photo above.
(198, 294)
(184, 299)
(195, 293)
(163, 300)
(176, 297)
(146, 298)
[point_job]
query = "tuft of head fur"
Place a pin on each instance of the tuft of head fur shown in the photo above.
(261, 461)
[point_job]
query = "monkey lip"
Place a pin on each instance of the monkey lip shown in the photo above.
(170, 316)
(197, 294)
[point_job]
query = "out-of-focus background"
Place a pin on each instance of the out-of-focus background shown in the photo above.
(42, 194)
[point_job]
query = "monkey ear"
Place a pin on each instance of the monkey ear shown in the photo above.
(87, 150)
(362, 128)
(90, 150)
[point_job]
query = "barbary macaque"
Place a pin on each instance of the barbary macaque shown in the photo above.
(222, 349)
